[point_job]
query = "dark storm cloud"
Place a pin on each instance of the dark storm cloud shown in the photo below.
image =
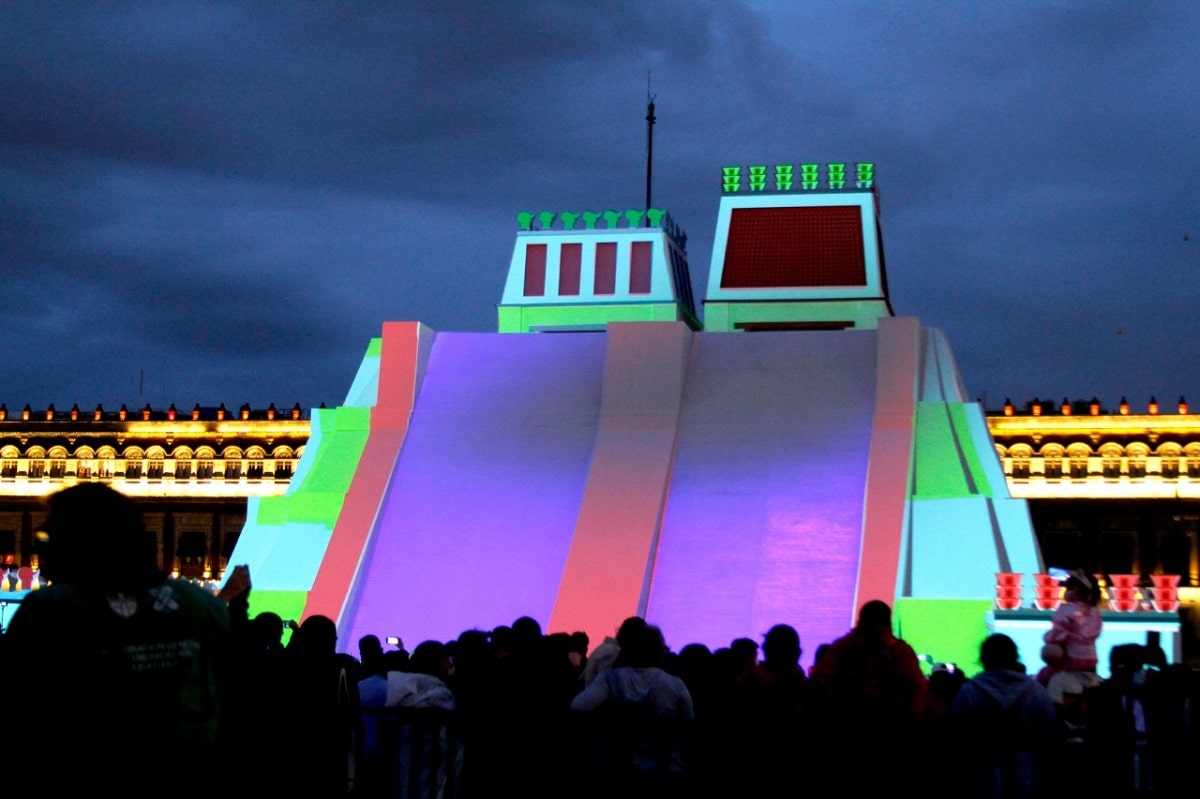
(223, 202)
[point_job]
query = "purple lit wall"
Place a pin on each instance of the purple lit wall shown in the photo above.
(764, 518)
(478, 516)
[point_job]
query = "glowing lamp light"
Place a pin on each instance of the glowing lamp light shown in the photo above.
(1183, 408)
(121, 414)
(1008, 407)
(271, 412)
(783, 177)
(731, 178)
(1066, 406)
(1123, 408)
(99, 412)
(146, 413)
(221, 413)
(245, 411)
(1035, 407)
(864, 175)
(75, 412)
(837, 176)
(171, 412)
(1094, 407)
(25, 413)
(50, 413)
(810, 176)
(1153, 407)
(3, 412)
(196, 412)
(296, 411)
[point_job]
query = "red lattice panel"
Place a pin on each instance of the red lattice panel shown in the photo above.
(795, 248)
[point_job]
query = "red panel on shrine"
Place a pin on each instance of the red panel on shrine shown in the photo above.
(794, 248)
(535, 270)
(569, 268)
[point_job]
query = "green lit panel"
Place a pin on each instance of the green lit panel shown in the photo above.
(536, 318)
(288, 604)
(960, 413)
(947, 465)
(947, 630)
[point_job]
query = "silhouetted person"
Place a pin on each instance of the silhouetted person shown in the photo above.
(770, 714)
(642, 715)
(871, 696)
(114, 671)
(318, 712)
(1006, 727)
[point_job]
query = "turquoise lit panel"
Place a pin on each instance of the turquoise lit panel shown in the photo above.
(953, 549)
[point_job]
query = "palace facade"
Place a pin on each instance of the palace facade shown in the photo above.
(192, 471)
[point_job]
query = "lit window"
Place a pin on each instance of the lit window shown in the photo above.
(8, 469)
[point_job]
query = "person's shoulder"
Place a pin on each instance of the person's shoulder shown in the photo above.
(175, 594)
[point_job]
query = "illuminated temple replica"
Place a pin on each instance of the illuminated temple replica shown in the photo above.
(604, 454)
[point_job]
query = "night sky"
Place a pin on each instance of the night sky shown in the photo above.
(205, 202)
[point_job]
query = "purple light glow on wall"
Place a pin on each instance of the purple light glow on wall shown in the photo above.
(764, 519)
(482, 503)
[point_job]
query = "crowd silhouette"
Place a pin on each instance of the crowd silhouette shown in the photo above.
(159, 684)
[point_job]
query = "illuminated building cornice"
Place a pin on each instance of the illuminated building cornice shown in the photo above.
(154, 454)
(1099, 456)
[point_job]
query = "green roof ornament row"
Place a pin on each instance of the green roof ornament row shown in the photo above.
(782, 177)
(633, 218)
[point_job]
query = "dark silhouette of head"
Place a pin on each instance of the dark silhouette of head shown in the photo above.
(267, 629)
(629, 628)
(781, 648)
(998, 651)
(370, 654)
(644, 648)
(875, 615)
(745, 652)
(316, 638)
(430, 657)
(526, 635)
(94, 538)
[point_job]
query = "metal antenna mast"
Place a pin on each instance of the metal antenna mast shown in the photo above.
(649, 138)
